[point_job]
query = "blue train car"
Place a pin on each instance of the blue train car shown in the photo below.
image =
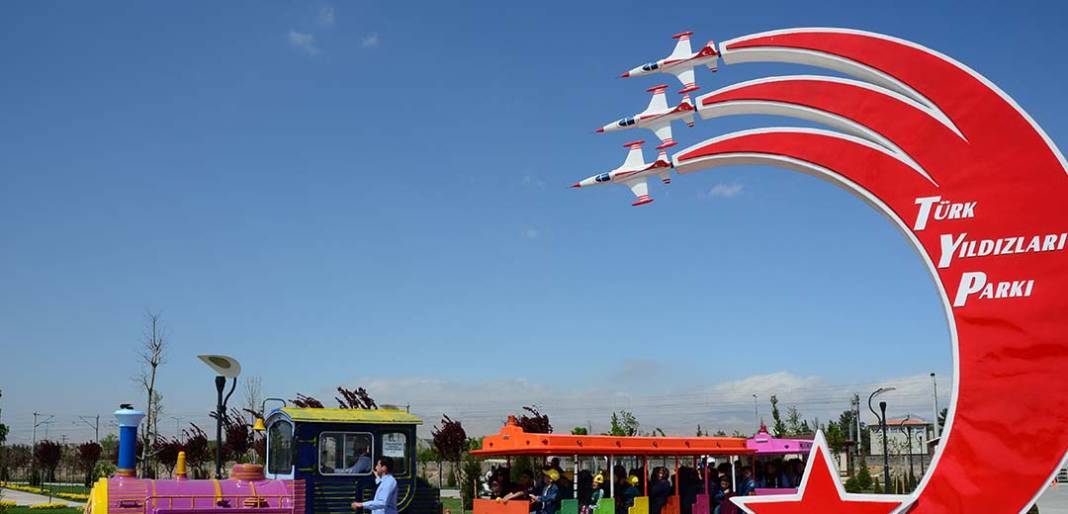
(331, 452)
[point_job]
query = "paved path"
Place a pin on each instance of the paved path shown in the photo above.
(1054, 500)
(21, 498)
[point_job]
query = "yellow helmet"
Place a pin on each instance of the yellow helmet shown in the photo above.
(598, 479)
(632, 480)
(553, 474)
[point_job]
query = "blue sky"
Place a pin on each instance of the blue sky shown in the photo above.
(376, 193)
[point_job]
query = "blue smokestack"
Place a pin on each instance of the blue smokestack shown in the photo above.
(128, 418)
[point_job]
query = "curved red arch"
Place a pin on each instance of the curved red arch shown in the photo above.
(1005, 187)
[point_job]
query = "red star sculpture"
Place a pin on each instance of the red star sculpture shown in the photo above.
(820, 493)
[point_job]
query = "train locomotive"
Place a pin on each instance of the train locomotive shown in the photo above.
(318, 461)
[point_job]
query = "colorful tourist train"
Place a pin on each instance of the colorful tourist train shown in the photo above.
(318, 462)
(603, 454)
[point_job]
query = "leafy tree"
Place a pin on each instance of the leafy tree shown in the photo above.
(623, 423)
(535, 422)
(720, 433)
(778, 428)
(306, 402)
(48, 454)
(88, 454)
(862, 481)
(355, 399)
(699, 434)
(197, 450)
(452, 443)
(580, 431)
(3, 433)
(942, 415)
(425, 456)
(166, 451)
(793, 422)
(836, 437)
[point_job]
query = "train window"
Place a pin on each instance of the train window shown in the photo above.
(280, 448)
(346, 453)
(395, 446)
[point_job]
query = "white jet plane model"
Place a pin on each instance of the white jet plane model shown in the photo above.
(681, 62)
(633, 173)
(657, 117)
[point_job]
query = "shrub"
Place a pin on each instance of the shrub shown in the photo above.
(47, 506)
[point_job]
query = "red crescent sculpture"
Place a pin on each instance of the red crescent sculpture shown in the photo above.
(981, 193)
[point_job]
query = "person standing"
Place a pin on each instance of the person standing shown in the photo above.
(385, 501)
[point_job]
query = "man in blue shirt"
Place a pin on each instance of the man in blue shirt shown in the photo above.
(385, 501)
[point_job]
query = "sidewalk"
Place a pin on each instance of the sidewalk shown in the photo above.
(1054, 500)
(23, 499)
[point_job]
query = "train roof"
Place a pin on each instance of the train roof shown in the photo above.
(512, 440)
(368, 416)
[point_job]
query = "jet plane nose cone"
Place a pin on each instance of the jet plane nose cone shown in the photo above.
(576, 184)
(625, 75)
(600, 130)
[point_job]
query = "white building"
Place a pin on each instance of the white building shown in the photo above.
(899, 433)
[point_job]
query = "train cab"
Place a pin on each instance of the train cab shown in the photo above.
(333, 451)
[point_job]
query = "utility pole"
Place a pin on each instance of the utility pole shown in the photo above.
(934, 392)
(756, 412)
(95, 425)
(856, 417)
(177, 425)
(33, 460)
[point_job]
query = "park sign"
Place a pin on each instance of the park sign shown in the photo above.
(979, 190)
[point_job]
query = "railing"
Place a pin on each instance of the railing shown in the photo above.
(516, 506)
(261, 503)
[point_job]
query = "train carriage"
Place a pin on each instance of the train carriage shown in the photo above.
(319, 461)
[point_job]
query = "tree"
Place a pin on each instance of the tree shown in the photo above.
(355, 399)
(88, 454)
(253, 397)
(153, 346)
(48, 454)
(306, 402)
(580, 431)
(451, 442)
(623, 423)
(862, 481)
(425, 456)
(3, 433)
(197, 451)
(166, 451)
(942, 415)
(778, 428)
(793, 421)
(238, 435)
(536, 422)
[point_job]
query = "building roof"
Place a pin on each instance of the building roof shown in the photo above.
(913, 420)
(512, 440)
(372, 416)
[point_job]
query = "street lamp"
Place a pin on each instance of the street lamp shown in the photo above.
(225, 367)
(882, 423)
(908, 439)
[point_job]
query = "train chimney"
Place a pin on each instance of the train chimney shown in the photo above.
(129, 419)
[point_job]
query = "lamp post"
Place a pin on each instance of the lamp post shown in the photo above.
(882, 423)
(225, 367)
(908, 439)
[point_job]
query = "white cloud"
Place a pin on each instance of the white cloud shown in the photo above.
(531, 233)
(326, 16)
(483, 405)
(725, 190)
(304, 42)
(370, 40)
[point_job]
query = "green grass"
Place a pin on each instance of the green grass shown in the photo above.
(449, 504)
(26, 510)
